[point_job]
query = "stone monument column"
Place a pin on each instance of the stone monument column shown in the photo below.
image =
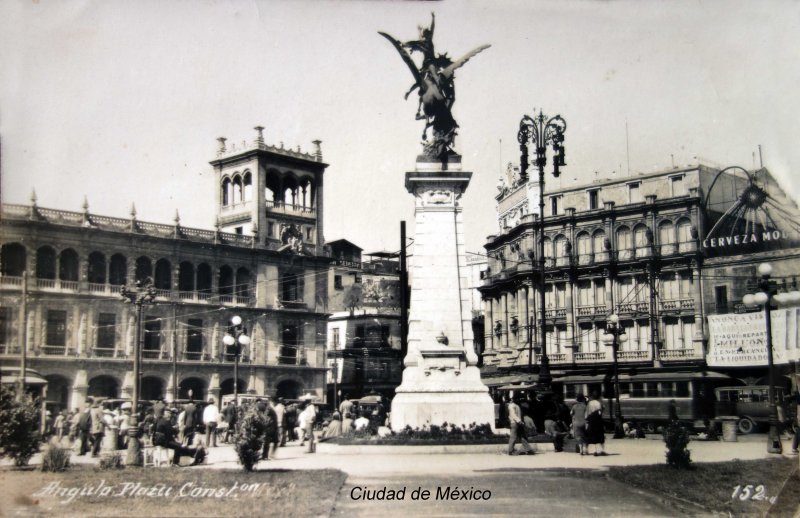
(441, 380)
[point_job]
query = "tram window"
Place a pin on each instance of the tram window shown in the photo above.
(637, 389)
(651, 388)
(682, 389)
(666, 389)
(570, 391)
(761, 395)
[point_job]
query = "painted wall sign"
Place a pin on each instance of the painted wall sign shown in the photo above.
(740, 340)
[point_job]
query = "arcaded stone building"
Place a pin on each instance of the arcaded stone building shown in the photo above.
(265, 262)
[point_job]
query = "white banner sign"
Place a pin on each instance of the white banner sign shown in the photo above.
(739, 340)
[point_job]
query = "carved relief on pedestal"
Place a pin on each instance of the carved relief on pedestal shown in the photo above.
(437, 196)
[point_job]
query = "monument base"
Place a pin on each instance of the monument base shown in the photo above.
(440, 389)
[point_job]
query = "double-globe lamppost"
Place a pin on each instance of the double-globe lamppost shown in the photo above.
(142, 293)
(615, 336)
(236, 338)
(541, 132)
(765, 297)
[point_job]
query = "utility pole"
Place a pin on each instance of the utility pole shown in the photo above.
(403, 294)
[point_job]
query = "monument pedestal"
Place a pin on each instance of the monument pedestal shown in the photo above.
(441, 381)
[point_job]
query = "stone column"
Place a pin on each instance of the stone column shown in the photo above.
(699, 325)
(214, 388)
(570, 345)
(80, 388)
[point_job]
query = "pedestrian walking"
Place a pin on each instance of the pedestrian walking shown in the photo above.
(280, 411)
(59, 424)
(98, 426)
(578, 413)
(595, 431)
(517, 430)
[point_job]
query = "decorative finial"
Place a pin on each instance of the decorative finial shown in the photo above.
(177, 218)
(133, 211)
(217, 224)
(221, 149)
(298, 148)
(317, 150)
(259, 134)
(85, 204)
(281, 144)
(33, 197)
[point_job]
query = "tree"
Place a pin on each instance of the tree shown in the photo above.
(352, 297)
(19, 433)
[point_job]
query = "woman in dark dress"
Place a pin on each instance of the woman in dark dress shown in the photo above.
(595, 431)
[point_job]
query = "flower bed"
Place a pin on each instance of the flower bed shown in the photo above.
(447, 434)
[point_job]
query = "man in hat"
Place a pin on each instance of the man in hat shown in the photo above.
(97, 428)
(85, 427)
(164, 436)
(210, 420)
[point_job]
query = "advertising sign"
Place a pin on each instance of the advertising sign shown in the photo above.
(740, 340)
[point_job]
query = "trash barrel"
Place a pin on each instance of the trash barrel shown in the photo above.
(729, 428)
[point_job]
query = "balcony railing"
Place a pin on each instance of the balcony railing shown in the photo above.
(103, 352)
(633, 307)
(591, 357)
(555, 313)
(96, 287)
(633, 355)
(687, 246)
(54, 350)
(668, 249)
(151, 354)
(563, 260)
(585, 259)
(279, 207)
(643, 252)
(679, 354)
(193, 355)
(677, 304)
(601, 257)
(9, 349)
(7, 280)
(557, 357)
(625, 255)
(588, 311)
(46, 284)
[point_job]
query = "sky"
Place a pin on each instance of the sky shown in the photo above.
(122, 102)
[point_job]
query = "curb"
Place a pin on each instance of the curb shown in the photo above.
(340, 449)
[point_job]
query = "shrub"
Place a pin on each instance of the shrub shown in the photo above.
(112, 461)
(19, 433)
(248, 438)
(677, 438)
(55, 458)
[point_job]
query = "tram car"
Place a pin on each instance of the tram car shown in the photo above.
(646, 398)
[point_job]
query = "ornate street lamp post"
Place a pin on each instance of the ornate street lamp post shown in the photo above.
(765, 297)
(614, 337)
(234, 340)
(141, 294)
(541, 131)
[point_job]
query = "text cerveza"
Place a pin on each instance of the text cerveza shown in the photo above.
(450, 493)
(751, 492)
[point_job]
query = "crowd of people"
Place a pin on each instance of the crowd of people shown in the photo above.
(531, 414)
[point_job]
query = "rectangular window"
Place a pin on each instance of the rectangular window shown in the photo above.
(194, 339)
(337, 282)
(555, 205)
(678, 186)
(5, 326)
(634, 192)
(585, 295)
(270, 229)
(152, 337)
(106, 330)
(239, 230)
(56, 328)
(309, 233)
(721, 298)
(672, 334)
(594, 200)
(335, 338)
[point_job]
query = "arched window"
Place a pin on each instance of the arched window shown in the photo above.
(624, 243)
(203, 278)
(290, 190)
(225, 280)
(272, 189)
(97, 268)
(144, 269)
(247, 187)
(584, 248)
(237, 189)
(599, 246)
(12, 259)
(685, 240)
(226, 190)
(118, 270)
(186, 276)
(243, 282)
(163, 278)
(68, 265)
(46, 263)
(640, 241)
(548, 252)
(666, 237)
(562, 255)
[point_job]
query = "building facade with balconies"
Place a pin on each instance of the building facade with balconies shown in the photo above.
(633, 246)
(79, 334)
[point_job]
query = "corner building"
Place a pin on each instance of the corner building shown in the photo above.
(640, 247)
(264, 261)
